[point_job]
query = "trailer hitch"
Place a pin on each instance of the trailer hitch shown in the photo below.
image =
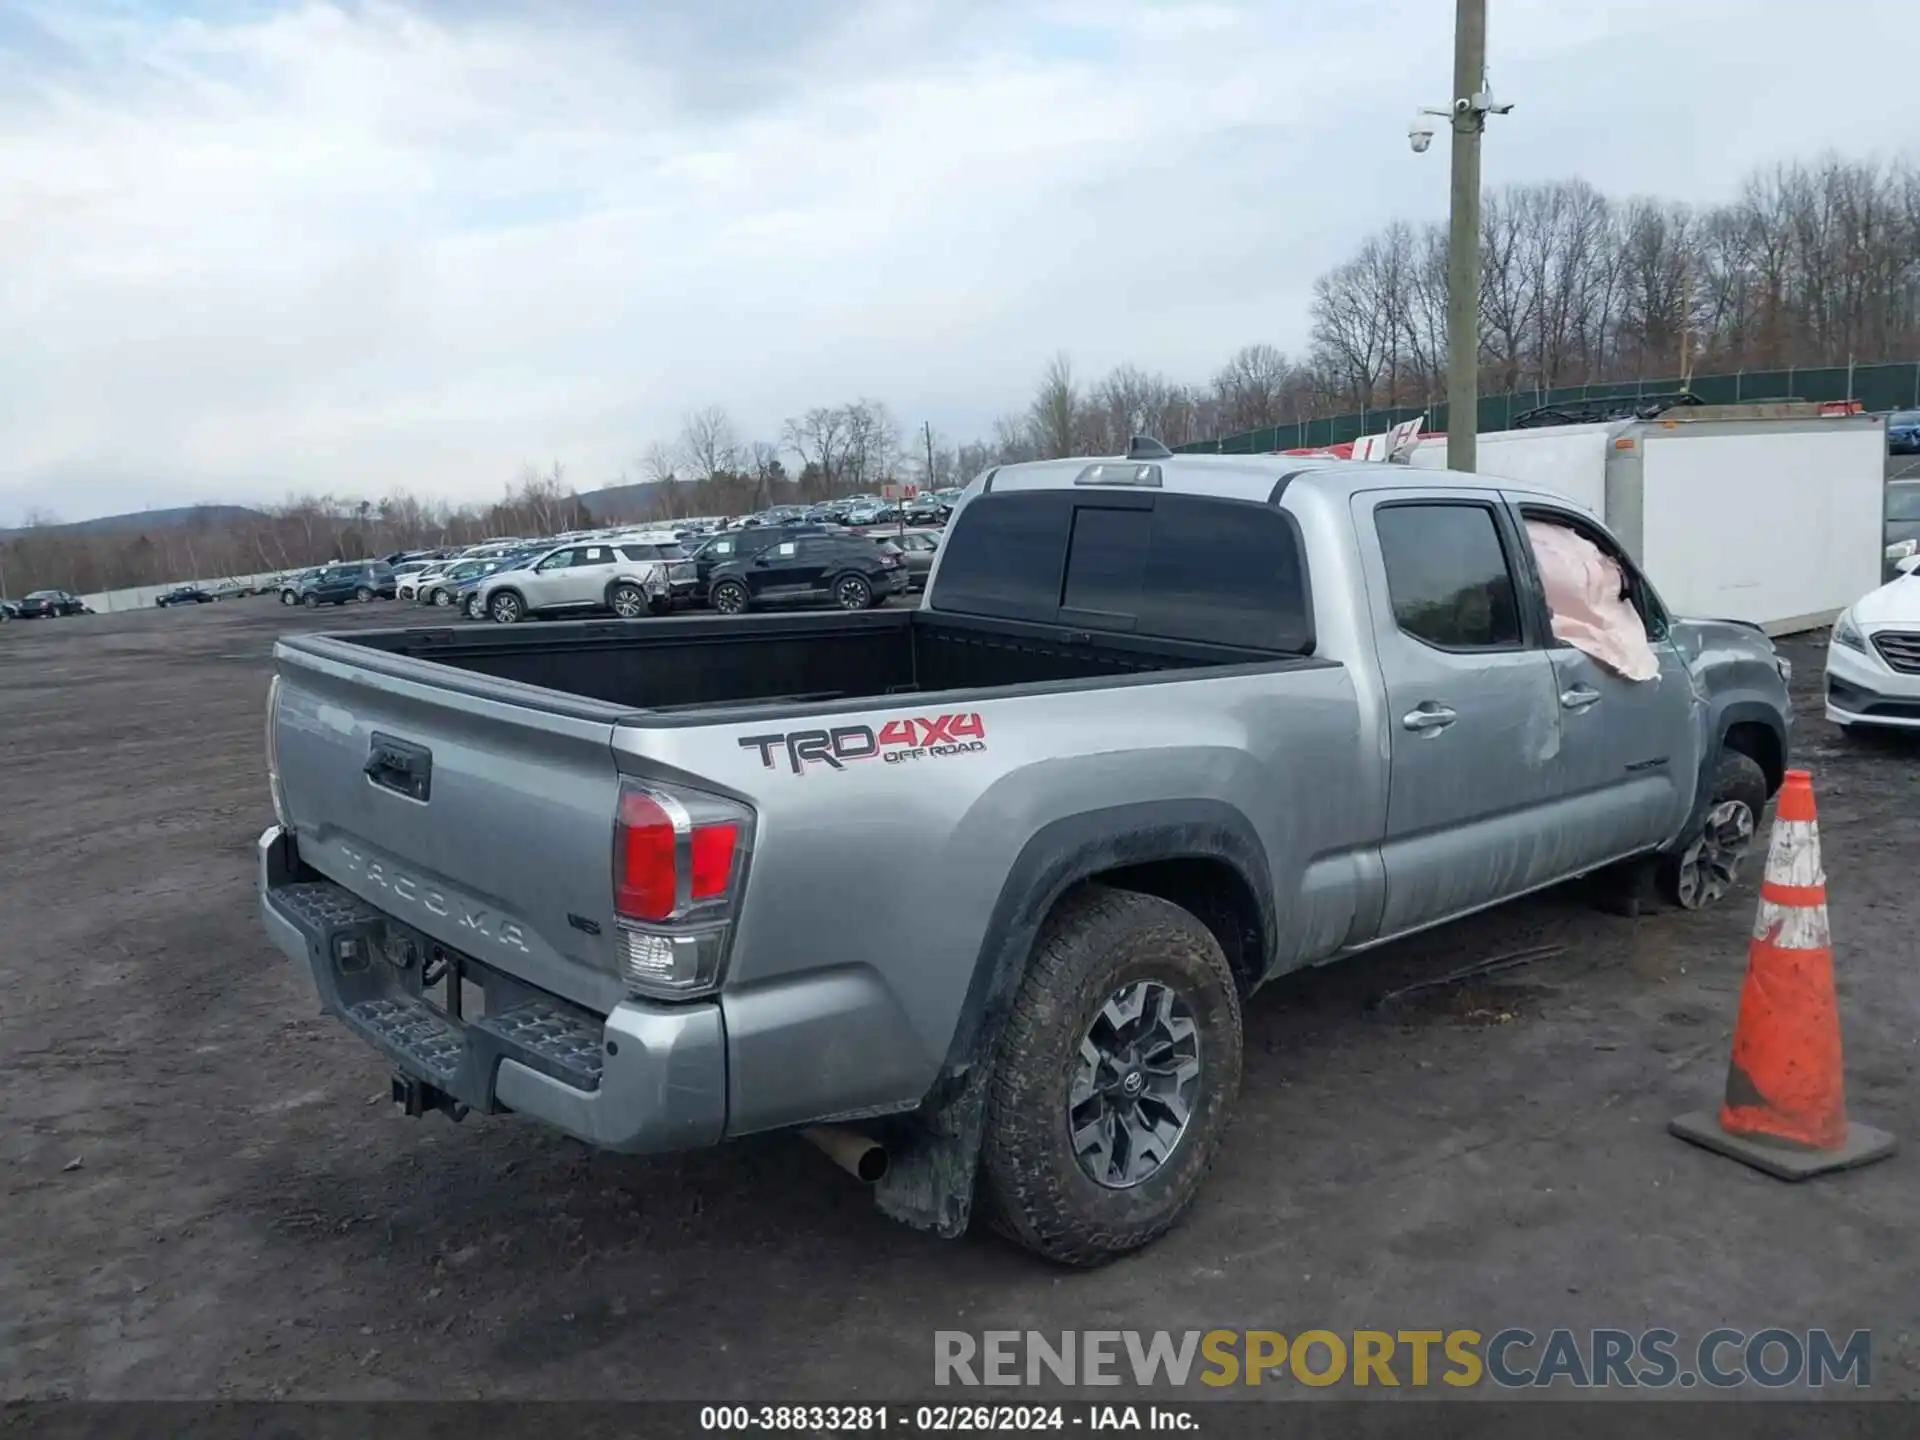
(416, 1097)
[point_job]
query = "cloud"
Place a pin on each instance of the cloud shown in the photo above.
(249, 248)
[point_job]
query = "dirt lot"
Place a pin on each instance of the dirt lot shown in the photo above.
(206, 1192)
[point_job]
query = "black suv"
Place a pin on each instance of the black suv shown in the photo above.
(849, 570)
(745, 543)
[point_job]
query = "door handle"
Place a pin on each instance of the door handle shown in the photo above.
(1579, 697)
(1428, 717)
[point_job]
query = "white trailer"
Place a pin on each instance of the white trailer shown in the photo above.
(1772, 514)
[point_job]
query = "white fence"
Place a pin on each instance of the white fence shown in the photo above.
(141, 597)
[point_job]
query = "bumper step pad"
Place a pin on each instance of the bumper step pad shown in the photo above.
(433, 1045)
(568, 1041)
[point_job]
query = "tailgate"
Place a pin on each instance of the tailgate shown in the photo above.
(479, 812)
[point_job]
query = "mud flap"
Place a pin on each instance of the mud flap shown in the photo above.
(929, 1184)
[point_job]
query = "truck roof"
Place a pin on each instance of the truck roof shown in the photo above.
(1238, 477)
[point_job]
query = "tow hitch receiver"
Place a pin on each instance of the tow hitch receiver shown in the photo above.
(416, 1097)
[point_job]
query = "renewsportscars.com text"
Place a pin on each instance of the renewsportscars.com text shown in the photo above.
(1513, 1358)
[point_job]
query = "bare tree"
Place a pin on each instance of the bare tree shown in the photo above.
(1258, 386)
(1053, 417)
(872, 446)
(708, 443)
(819, 439)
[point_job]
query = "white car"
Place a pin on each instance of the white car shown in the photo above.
(1873, 656)
(628, 578)
(437, 586)
(408, 586)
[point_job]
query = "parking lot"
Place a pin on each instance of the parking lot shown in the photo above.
(206, 1191)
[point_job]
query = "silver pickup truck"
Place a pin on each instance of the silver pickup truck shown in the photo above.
(972, 894)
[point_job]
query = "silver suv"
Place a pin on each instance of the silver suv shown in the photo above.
(630, 577)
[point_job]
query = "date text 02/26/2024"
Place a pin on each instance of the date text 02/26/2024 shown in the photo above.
(943, 1419)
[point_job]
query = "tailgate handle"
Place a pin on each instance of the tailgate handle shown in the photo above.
(400, 766)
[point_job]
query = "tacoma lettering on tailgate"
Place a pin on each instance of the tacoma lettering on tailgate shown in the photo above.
(909, 738)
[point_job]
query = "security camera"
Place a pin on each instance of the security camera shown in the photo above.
(1420, 136)
(1462, 105)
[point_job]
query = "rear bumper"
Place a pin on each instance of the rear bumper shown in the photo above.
(644, 1079)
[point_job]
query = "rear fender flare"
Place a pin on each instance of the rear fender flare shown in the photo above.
(1072, 850)
(930, 1185)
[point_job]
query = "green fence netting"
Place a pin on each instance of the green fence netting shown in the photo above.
(1876, 387)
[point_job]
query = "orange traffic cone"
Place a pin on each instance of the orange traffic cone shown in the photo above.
(1786, 1107)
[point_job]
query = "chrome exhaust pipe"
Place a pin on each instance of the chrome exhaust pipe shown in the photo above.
(859, 1155)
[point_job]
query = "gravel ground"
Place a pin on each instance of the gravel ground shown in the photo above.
(206, 1192)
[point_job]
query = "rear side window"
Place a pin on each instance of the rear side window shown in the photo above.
(1183, 567)
(1448, 575)
(640, 552)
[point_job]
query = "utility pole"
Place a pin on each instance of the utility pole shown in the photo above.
(1463, 235)
(927, 427)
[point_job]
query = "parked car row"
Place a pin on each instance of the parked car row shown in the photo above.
(43, 605)
(635, 574)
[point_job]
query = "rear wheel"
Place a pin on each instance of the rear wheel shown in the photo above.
(1707, 865)
(627, 602)
(363, 594)
(1115, 1080)
(852, 592)
(729, 597)
(505, 608)
(312, 602)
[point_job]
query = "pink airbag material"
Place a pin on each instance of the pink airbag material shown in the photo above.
(1583, 585)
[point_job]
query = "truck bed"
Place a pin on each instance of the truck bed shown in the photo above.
(713, 663)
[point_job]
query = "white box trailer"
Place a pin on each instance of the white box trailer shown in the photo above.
(1770, 514)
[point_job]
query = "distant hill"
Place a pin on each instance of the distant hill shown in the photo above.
(134, 522)
(616, 503)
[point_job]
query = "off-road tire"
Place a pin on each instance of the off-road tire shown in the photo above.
(1736, 778)
(1033, 1188)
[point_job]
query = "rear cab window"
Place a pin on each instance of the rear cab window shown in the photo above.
(1172, 566)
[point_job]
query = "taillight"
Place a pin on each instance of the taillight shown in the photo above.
(679, 862)
(647, 880)
(273, 754)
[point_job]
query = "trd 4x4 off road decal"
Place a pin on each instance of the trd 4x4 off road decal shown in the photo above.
(915, 738)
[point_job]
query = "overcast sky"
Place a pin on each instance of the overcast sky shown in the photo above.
(248, 248)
